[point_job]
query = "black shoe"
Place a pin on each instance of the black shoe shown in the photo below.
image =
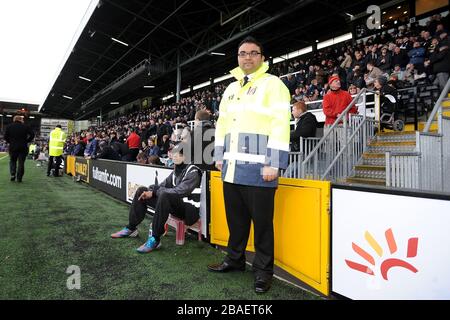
(224, 267)
(48, 174)
(19, 180)
(262, 285)
(13, 178)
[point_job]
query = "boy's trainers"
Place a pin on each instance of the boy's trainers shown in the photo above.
(149, 246)
(125, 233)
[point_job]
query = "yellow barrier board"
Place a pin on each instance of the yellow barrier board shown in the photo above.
(70, 165)
(301, 226)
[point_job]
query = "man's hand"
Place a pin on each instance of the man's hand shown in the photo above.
(270, 174)
(219, 165)
(145, 195)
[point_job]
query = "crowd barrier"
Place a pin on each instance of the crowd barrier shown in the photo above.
(365, 243)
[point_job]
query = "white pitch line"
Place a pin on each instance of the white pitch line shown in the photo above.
(3, 157)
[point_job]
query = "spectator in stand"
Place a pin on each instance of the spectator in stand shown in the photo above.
(107, 152)
(113, 137)
(91, 148)
(373, 73)
(347, 63)
(305, 125)
(335, 102)
(142, 158)
(155, 160)
(417, 56)
(78, 149)
(133, 143)
(384, 61)
(440, 61)
(399, 58)
(163, 151)
(153, 149)
(398, 73)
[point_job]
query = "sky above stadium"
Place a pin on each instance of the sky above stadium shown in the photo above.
(36, 38)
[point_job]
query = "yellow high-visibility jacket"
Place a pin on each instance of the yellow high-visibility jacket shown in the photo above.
(31, 148)
(253, 128)
(56, 144)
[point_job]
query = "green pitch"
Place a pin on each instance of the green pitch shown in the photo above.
(48, 224)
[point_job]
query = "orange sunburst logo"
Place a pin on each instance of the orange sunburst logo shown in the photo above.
(387, 264)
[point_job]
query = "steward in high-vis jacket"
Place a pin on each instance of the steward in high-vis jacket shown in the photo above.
(55, 149)
(251, 145)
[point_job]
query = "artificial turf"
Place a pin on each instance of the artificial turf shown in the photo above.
(48, 224)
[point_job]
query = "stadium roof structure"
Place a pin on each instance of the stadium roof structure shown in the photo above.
(127, 45)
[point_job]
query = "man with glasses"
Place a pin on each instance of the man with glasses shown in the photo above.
(251, 145)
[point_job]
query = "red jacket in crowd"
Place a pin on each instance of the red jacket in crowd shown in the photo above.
(334, 102)
(133, 141)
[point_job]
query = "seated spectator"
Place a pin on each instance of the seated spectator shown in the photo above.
(398, 72)
(373, 73)
(122, 149)
(107, 152)
(154, 160)
(172, 196)
(165, 146)
(305, 125)
(142, 158)
(153, 149)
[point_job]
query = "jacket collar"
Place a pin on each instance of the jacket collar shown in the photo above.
(239, 74)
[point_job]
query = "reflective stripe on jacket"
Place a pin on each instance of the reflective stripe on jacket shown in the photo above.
(253, 128)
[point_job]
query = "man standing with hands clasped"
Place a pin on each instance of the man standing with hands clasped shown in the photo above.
(251, 145)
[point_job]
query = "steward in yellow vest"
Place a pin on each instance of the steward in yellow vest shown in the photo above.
(55, 149)
(251, 145)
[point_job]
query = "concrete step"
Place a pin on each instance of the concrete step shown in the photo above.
(370, 171)
(397, 146)
(367, 181)
(396, 136)
(374, 159)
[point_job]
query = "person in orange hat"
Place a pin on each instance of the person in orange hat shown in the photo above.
(335, 101)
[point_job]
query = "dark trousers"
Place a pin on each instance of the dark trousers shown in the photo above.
(57, 160)
(164, 205)
(19, 156)
(244, 204)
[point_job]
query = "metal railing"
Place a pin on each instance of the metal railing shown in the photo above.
(430, 147)
(293, 170)
(422, 169)
(437, 110)
(403, 170)
(446, 152)
(342, 145)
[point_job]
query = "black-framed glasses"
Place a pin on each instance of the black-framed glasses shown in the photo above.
(252, 54)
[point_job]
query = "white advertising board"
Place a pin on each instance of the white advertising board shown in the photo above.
(387, 246)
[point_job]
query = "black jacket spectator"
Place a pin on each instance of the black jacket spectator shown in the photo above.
(440, 59)
(121, 149)
(18, 135)
(306, 127)
(107, 152)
